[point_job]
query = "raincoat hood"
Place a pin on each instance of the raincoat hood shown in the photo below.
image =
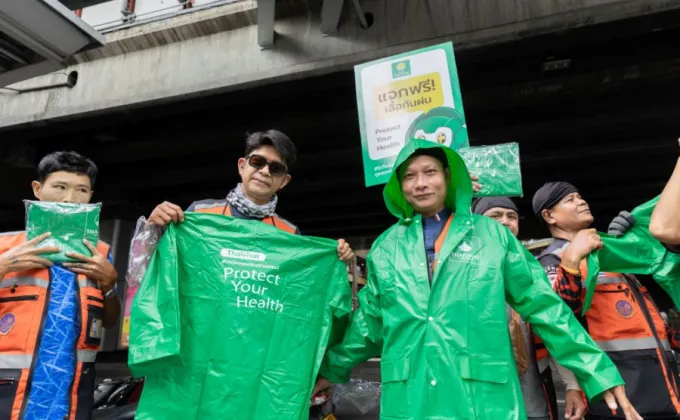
(459, 189)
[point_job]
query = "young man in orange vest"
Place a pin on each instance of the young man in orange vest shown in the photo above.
(623, 320)
(51, 316)
(264, 171)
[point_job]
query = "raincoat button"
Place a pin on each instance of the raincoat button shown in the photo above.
(433, 383)
(422, 264)
(430, 319)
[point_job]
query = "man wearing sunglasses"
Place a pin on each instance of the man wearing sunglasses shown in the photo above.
(264, 171)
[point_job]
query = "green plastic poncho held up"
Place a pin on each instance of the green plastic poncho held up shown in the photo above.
(446, 351)
(68, 223)
(636, 252)
(232, 320)
(497, 167)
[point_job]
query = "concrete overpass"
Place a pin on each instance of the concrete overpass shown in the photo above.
(589, 89)
(225, 46)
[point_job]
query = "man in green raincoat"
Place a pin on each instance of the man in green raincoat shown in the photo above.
(434, 306)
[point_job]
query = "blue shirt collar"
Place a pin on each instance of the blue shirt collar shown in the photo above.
(442, 216)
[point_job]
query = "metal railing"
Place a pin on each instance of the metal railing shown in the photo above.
(130, 20)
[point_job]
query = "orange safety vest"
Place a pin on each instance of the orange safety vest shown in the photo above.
(23, 309)
(625, 322)
(224, 209)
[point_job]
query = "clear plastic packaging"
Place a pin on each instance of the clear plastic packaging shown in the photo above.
(143, 245)
(364, 395)
(68, 224)
(497, 167)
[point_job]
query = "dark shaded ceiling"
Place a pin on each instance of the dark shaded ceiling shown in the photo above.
(608, 123)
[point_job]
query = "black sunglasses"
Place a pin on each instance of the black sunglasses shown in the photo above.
(275, 168)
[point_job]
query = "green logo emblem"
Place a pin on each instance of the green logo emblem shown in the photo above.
(401, 69)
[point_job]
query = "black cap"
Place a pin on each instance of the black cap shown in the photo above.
(486, 203)
(549, 195)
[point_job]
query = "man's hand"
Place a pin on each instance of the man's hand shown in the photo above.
(615, 398)
(476, 186)
(621, 224)
(166, 213)
(574, 406)
(321, 384)
(585, 242)
(26, 257)
(97, 267)
(345, 252)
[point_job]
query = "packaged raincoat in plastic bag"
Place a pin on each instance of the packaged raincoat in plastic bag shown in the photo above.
(497, 167)
(232, 320)
(68, 223)
(142, 247)
(362, 394)
(636, 252)
(445, 349)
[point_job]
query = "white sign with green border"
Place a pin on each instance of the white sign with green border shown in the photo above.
(410, 95)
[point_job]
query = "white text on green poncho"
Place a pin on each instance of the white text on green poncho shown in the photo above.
(251, 279)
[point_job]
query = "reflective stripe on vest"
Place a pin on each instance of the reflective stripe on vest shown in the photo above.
(625, 344)
(609, 279)
(87, 356)
(24, 281)
(199, 207)
(16, 361)
(87, 283)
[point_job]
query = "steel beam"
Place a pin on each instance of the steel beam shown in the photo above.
(266, 11)
(330, 16)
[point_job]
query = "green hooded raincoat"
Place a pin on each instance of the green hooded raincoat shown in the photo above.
(446, 350)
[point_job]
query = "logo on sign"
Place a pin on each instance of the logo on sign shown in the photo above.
(7, 323)
(401, 69)
(624, 308)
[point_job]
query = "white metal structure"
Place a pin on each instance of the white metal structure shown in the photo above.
(38, 36)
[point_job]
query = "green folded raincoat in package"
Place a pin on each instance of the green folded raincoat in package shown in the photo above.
(446, 350)
(232, 320)
(68, 223)
(497, 167)
(636, 252)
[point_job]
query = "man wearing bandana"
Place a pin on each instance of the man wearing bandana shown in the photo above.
(264, 170)
(531, 356)
(623, 320)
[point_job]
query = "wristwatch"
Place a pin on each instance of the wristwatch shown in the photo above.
(112, 293)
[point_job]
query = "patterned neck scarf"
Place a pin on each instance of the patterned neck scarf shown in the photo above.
(238, 200)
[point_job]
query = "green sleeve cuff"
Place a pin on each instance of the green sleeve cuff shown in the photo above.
(600, 381)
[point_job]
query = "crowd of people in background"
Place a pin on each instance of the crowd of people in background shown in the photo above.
(468, 323)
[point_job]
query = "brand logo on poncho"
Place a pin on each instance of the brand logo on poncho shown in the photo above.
(242, 255)
(6, 323)
(624, 308)
(465, 247)
(467, 250)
